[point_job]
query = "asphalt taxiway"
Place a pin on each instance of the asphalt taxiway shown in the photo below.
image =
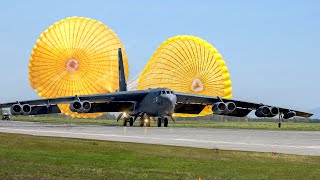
(289, 142)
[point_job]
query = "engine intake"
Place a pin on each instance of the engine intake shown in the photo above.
(18, 109)
(231, 107)
(80, 107)
(274, 111)
(26, 109)
(219, 108)
(224, 108)
(265, 111)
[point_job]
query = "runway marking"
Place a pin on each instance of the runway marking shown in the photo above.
(159, 138)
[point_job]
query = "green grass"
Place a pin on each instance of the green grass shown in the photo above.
(184, 123)
(31, 157)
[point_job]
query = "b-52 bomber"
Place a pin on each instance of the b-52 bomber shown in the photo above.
(159, 104)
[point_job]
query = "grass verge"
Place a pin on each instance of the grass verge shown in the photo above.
(31, 157)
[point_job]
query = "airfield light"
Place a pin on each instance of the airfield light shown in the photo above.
(76, 56)
(188, 64)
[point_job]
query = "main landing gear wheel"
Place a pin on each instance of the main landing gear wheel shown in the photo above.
(159, 122)
(125, 120)
(141, 122)
(148, 123)
(165, 122)
(131, 121)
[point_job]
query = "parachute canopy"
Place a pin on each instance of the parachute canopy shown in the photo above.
(76, 56)
(187, 64)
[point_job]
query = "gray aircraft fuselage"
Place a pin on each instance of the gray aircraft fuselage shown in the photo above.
(157, 103)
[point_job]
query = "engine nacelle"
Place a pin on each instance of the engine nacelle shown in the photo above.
(75, 106)
(231, 107)
(80, 107)
(290, 114)
(86, 106)
(26, 109)
(219, 108)
(274, 111)
(16, 109)
(263, 111)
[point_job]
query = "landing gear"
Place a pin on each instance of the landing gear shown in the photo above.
(141, 122)
(125, 120)
(145, 121)
(280, 120)
(159, 122)
(164, 120)
(131, 121)
(148, 123)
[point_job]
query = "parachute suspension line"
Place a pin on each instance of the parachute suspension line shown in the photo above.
(152, 75)
(132, 84)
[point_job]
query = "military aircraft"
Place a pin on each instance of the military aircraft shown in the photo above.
(159, 104)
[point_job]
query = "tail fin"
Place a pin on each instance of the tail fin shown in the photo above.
(122, 77)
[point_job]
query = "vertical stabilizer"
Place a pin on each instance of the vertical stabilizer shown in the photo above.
(122, 77)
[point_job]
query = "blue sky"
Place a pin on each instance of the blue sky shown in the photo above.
(271, 47)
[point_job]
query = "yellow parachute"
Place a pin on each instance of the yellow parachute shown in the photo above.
(76, 56)
(187, 64)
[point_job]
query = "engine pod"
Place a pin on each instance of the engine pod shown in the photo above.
(16, 109)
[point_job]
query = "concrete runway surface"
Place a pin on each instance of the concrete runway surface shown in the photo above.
(289, 142)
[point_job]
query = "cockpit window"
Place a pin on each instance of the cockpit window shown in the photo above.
(168, 92)
(171, 92)
(163, 92)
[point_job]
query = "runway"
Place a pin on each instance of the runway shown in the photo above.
(289, 142)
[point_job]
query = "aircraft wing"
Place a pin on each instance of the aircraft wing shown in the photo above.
(243, 107)
(125, 96)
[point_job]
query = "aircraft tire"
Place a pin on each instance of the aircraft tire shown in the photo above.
(159, 122)
(131, 121)
(148, 123)
(165, 122)
(125, 122)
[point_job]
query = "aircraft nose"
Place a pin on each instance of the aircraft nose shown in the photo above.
(172, 98)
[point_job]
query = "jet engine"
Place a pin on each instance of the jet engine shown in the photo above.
(80, 107)
(231, 107)
(274, 111)
(18, 109)
(26, 109)
(265, 111)
(219, 108)
(224, 108)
